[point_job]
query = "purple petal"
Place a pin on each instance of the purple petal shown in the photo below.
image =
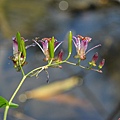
(84, 45)
(87, 39)
(15, 46)
(45, 45)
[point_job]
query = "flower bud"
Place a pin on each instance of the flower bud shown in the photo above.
(94, 59)
(60, 55)
(101, 64)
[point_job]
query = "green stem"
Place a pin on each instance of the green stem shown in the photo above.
(96, 70)
(17, 89)
(36, 69)
(79, 62)
(14, 94)
(67, 57)
(75, 64)
(5, 113)
(22, 70)
(21, 66)
(50, 62)
(19, 86)
(25, 76)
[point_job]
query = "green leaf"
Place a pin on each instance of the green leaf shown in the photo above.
(18, 36)
(23, 49)
(21, 45)
(70, 42)
(3, 102)
(13, 105)
(51, 47)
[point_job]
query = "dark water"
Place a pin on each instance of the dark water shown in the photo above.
(101, 91)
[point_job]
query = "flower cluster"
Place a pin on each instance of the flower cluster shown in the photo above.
(49, 46)
(94, 60)
(81, 44)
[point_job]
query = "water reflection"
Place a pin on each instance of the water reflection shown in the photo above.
(37, 18)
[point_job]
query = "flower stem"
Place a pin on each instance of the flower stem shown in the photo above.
(22, 70)
(14, 94)
(19, 86)
(39, 69)
(5, 113)
(68, 57)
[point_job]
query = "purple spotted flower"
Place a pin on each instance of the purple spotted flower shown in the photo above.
(81, 44)
(44, 46)
(18, 57)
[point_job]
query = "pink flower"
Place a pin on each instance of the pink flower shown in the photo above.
(18, 57)
(45, 46)
(81, 44)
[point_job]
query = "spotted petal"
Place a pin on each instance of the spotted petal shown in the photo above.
(15, 46)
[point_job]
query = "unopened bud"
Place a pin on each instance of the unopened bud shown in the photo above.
(101, 64)
(94, 59)
(60, 55)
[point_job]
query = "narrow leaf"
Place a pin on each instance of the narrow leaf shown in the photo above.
(21, 46)
(23, 49)
(18, 36)
(70, 42)
(51, 47)
(14, 105)
(3, 102)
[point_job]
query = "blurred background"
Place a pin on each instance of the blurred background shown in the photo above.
(96, 96)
